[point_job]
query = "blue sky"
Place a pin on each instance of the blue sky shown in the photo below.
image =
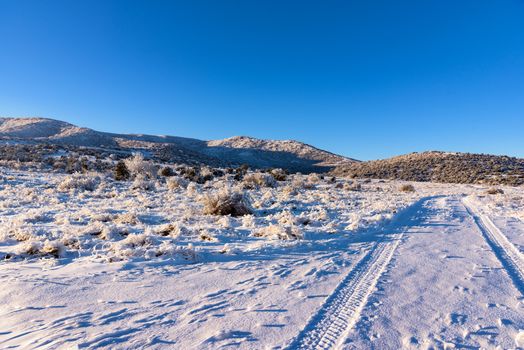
(366, 79)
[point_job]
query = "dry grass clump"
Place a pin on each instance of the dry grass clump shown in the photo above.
(352, 186)
(227, 202)
(207, 236)
(494, 190)
(41, 249)
(407, 188)
(127, 219)
(280, 232)
(258, 180)
(172, 230)
(299, 183)
(314, 178)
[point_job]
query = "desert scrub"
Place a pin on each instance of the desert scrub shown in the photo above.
(352, 186)
(142, 183)
(257, 180)
(407, 188)
(278, 174)
(176, 182)
(494, 190)
(226, 202)
(167, 171)
(121, 172)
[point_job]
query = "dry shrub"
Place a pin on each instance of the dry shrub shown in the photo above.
(407, 188)
(121, 172)
(167, 171)
(207, 236)
(278, 174)
(176, 182)
(227, 202)
(314, 178)
(257, 180)
(352, 186)
(494, 190)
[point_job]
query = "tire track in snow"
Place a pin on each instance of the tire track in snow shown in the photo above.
(510, 257)
(329, 327)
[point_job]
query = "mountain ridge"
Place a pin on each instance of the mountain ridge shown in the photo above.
(290, 154)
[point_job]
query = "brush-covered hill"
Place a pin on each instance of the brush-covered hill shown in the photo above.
(441, 167)
(290, 155)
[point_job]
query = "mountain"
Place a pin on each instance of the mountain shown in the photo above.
(291, 155)
(441, 167)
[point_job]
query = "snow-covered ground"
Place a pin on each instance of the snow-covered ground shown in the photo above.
(88, 262)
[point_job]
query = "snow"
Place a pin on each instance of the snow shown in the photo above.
(93, 263)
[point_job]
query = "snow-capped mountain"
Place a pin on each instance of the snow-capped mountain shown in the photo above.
(288, 154)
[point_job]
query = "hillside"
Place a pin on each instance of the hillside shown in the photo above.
(291, 155)
(441, 167)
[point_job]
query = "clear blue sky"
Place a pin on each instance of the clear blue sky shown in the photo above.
(367, 79)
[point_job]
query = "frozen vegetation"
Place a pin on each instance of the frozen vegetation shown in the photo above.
(190, 213)
(122, 252)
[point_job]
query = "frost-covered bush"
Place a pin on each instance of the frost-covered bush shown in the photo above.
(279, 232)
(143, 183)
(169, 249)
(138, 166)
(79, 182)
(132, 245)
(176, 182)
(227, 202)
(257, 180)
(407, 188)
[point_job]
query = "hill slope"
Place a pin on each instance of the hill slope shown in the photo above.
(441, 167)
(290, 155)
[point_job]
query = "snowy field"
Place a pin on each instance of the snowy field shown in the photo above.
(307, 262)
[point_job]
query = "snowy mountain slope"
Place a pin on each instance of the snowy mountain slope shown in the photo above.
(291, 155)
